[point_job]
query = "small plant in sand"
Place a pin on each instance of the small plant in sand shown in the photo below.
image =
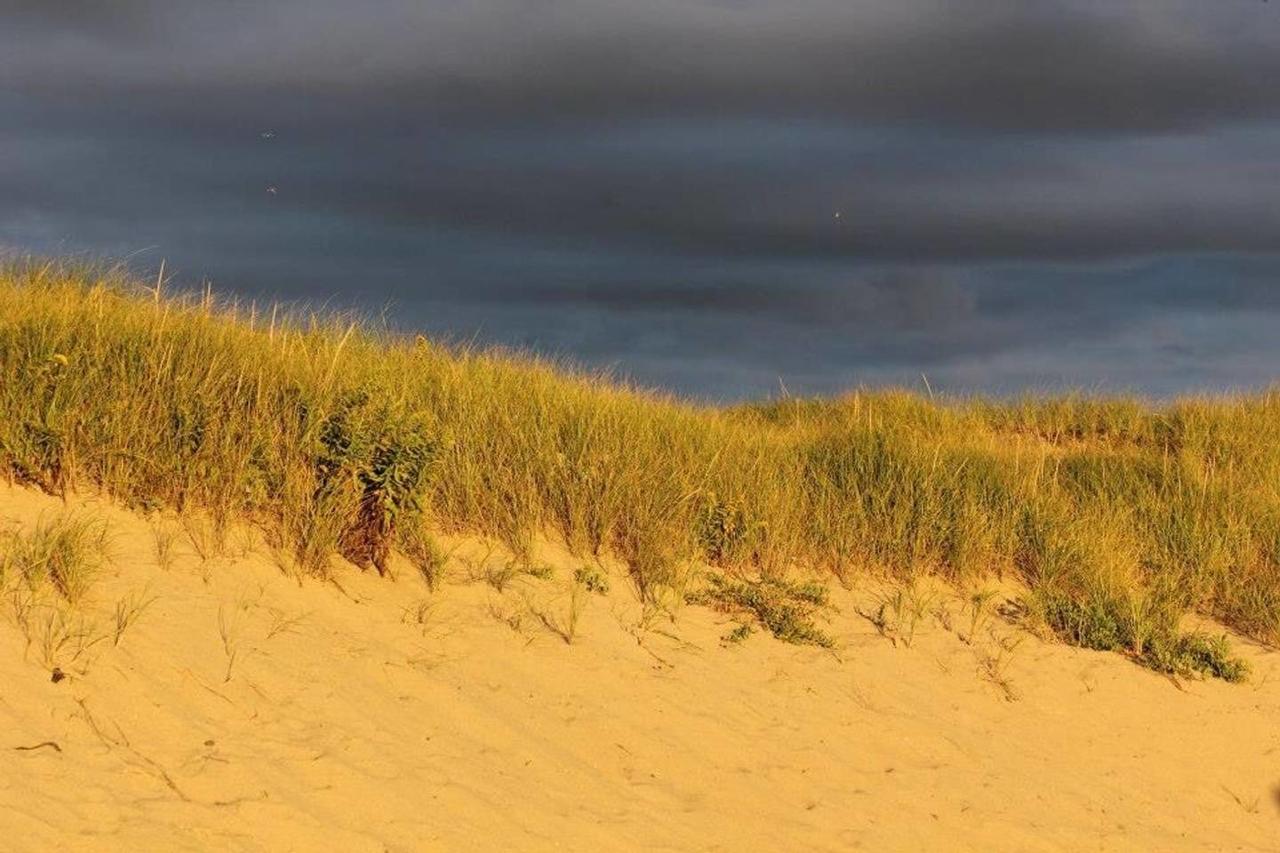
(64, 551)
(511, 617)
(243, 540)
(1250, 806)
(592, 579)
(205, 536)
(899, 613)
(127, 612)
(63, 638)
(229, 632)
(587, 581)
(283, 623)
(22, 603)
(994, 661)
(501, 574)
(537, 571)
(783, 607)
(565, 627)
(163, 537)
(577, 595)
(1196, 654)
(418, 613)
(978, 606)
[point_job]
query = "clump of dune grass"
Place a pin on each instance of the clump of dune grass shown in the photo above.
(63, 552)
(900, 611)
(340, 438)
(421, 550)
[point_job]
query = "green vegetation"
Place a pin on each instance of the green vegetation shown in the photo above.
(592, 579)
(1153, 642)
(1120, 517)
(785, 608)
(902, 610)
(63, 552)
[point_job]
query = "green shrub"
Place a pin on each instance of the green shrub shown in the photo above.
(592, 579)
(375, 460)
(1157, 644)
(1196, 654)
(785, 609)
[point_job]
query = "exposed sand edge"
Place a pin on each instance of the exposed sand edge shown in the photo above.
(384, 717)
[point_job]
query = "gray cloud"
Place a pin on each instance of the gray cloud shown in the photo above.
(1030, 193)
(1087, 65)
(898, 301)
(747, 190)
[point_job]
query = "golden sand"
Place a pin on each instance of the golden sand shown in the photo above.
(245, 710)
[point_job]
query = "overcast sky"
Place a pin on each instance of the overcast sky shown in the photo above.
(711, 196)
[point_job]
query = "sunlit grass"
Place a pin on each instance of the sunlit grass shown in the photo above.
(62, 552)
(339, 438)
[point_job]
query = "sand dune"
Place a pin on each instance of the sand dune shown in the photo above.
(245, 710)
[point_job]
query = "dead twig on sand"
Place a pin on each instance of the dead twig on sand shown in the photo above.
(41, 745)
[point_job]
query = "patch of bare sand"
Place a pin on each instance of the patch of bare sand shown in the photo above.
(245, 710)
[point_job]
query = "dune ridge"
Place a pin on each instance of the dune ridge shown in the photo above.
(1119, 517)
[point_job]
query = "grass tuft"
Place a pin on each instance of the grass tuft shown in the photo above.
(64, 552)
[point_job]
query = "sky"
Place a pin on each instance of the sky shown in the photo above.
(722, 198)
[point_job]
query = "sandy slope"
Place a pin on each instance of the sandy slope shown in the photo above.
(347, 723)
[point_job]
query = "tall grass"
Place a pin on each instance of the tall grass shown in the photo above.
(1119, 515)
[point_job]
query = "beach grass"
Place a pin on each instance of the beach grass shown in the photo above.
(1122, 517)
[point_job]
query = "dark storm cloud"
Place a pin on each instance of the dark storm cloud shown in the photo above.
(899, 301)
(1093, 65)
(898, 198)
(711, 191)
(33, 18)
(706, 194)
